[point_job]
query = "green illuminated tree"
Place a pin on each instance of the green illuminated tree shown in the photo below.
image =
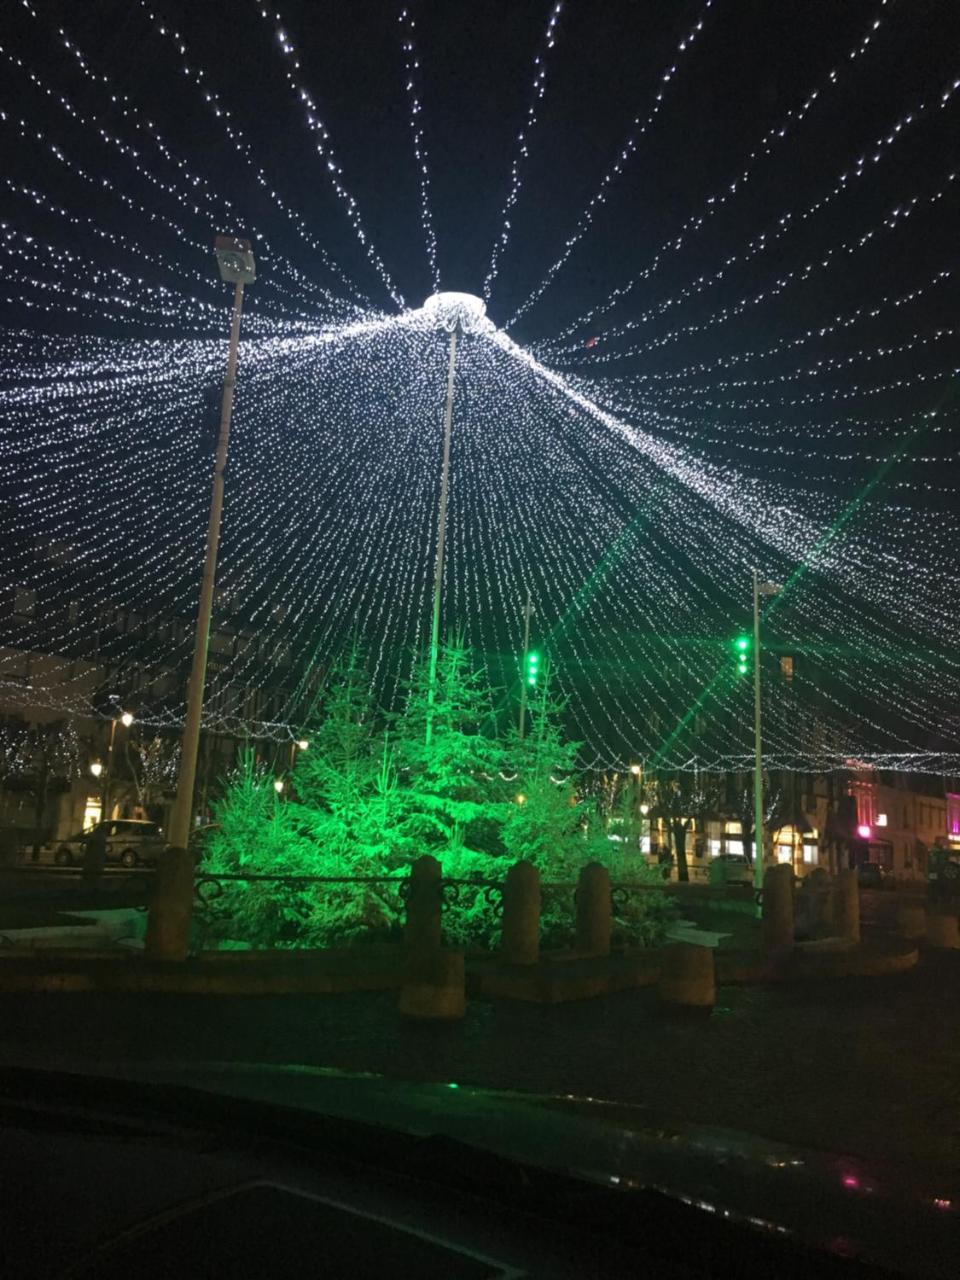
(344, 784)
(546, 823)
(450, 798)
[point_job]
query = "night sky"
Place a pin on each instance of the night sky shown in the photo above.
(749, 70)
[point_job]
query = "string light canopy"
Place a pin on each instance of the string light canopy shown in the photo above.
(624, 472)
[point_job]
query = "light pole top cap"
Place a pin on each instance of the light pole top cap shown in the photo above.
(461, 311)
(235, 260)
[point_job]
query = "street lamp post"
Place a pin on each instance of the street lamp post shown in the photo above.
(168, 926)
(106, 775)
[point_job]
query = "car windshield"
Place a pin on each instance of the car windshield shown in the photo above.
(479, 498)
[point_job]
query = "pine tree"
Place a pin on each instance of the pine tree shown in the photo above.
(451, 791)
(546, 824)
(344, 783)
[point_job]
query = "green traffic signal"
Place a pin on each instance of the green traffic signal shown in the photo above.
(741, 650)
(532, 667)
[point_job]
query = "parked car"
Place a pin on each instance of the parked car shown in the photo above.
(871, 875)
(130, 842)
(730, 868)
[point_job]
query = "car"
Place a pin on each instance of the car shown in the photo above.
(872, 875)
(730, 868)
(129, 841)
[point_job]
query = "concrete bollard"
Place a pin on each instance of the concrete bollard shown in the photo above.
(520, 934)
(687, 977)
(943, 931)
(434, 982)
(434, 986)
(817, 886)
(594, 911)
(911, 920)
(776, 924)
(846, 905)
(422, 927)
(171, 906)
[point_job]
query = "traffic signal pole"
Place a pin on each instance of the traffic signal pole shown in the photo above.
(757, 751)
(527, 611)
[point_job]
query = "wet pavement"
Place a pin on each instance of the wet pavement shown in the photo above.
(867, 1067)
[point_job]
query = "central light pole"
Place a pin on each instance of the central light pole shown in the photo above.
(441, 530)
(168, 924)
(457, 314)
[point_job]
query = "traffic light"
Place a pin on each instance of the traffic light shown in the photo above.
(532, 668)
(741, 652)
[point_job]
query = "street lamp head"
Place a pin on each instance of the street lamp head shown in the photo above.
(635, 770)
(463, 311)
(235, 260)
(127, 719)
(96, 768)
(644, 809)
(302, 744)
(278, 785)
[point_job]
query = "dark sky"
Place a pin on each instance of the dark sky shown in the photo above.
(752, 63)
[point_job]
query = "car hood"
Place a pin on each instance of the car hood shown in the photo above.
(883, 1214)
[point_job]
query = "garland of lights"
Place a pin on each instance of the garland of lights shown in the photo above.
(631, 508)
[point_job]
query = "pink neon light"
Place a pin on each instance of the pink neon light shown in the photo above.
(863, 831)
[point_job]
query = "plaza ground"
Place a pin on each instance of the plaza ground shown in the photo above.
(866, 1067)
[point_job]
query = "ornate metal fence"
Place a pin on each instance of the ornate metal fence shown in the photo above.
(302, 910)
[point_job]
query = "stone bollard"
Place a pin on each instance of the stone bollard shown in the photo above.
(422, 929)
(846, 905)
(943, 931)
(520, 935)
(434, 982)
(817, 886)
(687, 977)
(776, 924)
(911, 920)
(594, 910)
(171, 906)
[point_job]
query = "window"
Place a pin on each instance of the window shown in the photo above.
(811, 854)
(785, 853)
(714, 848)
(881, 819)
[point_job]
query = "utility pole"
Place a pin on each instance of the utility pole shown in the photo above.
(168, 925)
(441, 530)
(527, 611)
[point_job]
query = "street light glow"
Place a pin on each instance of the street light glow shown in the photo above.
(278, 785)
(302, 744)
(96, 768)
(127, 719)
